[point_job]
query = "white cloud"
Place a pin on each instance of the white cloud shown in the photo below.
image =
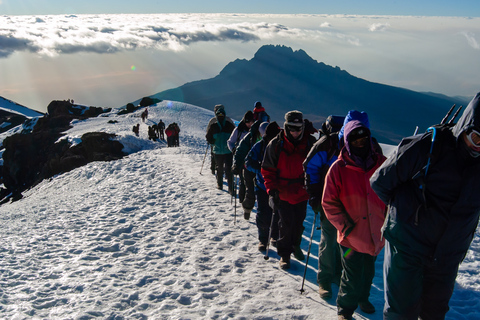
(471, 40)
(379, 27)
(325, 25)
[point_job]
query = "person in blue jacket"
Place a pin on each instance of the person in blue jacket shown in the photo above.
(431, 189)
(253, 163)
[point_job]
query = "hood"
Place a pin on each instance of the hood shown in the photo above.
(470, 117)
(354, 115)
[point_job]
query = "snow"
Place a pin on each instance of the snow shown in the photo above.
(10, 106)
(149, 237)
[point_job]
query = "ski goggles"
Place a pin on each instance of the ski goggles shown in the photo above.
(474, 138)
(293, 128)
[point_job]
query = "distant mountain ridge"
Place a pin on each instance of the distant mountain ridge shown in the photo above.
(13, 114)
(283, 80)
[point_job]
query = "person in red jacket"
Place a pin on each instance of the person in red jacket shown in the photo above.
(358, 215)
(282, 170)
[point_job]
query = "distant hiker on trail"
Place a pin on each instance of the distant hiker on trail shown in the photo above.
(253, 163)
(161, 128)
(237, 135)
(358, 214)
(323, 153)
(219, 130)
(144, 114)
(136, 129)
(172, 133)
(259, 113)
(433, 213)
(284, 180)
(151, 133)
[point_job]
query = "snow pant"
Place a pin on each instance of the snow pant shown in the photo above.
(417, 286)
(264, 217)
(170, 141)
(161, 134)
(241, 186)
(329, 262)
(357, 277)
(249, 179)
(290, 226)
(223, 164)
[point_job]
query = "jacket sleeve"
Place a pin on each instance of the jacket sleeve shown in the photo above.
(232, 140)
(209, 135)
(332, 205)
(269, 166)
(242, 150)
(400, 167)
(252, 161)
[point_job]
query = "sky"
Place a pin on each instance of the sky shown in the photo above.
(149, 237)
(110, 53)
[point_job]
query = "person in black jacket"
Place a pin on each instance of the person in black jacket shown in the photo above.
(432, 192)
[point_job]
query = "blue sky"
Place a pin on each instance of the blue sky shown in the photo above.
(89, 52)
(371, 7)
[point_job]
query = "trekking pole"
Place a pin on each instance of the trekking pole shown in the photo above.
(235, 195)
(451, 122)
(266, 257)
(416, 130)
(204, 159)
(447, 115)
(308, 253)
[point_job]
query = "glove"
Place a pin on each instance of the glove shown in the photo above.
(273, 199)
(235, 170)
(316, 203)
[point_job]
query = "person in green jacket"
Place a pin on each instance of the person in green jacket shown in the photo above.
(219, 130)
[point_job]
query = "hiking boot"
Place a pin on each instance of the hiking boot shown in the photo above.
(246, 213)
(367, 307)
(285, 263)
(262, 247)
(344, 317)
(273, 242)
(298, 253)
(220, 187)
(325, 290)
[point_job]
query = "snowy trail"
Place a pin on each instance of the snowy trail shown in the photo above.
(148, 237)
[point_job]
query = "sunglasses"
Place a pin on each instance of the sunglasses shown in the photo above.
(294, 128)
(474, 138)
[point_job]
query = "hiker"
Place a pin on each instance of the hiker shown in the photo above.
(237, 135)
(252, 137)
(136, 129)
(323, 153)
(432, 216)
(253, 163)
(161, 128)
(219, 130)
(144, 114)
(259, 113)
(172, 132)
(176, 136)
(151, 133)
(284, 181)
(358, 214)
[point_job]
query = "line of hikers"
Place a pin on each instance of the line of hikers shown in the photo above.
(158, 131)
(362, 199)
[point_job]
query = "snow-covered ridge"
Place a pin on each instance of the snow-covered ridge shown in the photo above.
(10, 106)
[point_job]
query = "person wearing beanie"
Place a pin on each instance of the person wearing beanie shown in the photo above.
(284, 181)
(248, 199)
(253, 163)
(219, 130)
(358, 214)
(259, 113)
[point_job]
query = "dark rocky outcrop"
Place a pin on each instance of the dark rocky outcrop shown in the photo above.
(32, 157)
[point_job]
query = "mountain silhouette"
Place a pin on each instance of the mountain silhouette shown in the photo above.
(284, 79)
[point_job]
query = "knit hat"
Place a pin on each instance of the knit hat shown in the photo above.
(271, 130)
(257, 104)
(248, 117)
(219, 109)
(294, 118)
(262, 127)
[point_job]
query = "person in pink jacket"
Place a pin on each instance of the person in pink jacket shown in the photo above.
(358, 215)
